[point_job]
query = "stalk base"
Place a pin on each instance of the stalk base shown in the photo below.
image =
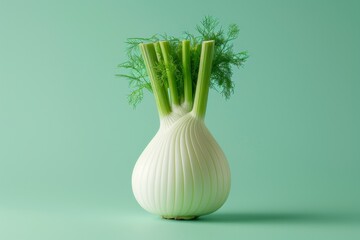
(180, 217)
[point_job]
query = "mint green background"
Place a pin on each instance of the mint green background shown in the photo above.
(69, 141)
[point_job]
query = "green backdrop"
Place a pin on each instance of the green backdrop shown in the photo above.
(69, 140)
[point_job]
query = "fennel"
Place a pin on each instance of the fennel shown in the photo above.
(182, 173)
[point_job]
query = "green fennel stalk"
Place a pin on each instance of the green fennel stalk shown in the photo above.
(150, 59)
(203, 82)
(187, 73)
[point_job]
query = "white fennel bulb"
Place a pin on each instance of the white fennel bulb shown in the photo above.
(182, 173)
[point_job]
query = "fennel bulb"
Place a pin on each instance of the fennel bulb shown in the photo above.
(182, 173)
